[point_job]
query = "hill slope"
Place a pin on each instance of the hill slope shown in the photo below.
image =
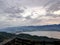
(5, 36)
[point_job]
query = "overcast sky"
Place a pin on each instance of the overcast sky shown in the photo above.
(29, 12)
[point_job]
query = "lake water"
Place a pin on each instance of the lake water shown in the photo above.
(50, 34)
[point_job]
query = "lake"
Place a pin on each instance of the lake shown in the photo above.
(50, 34)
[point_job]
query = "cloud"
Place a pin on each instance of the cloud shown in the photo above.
(13, 10)
(29, 12)
(56, 12)
(55, 5)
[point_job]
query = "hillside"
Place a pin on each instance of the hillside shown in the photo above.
(36, 38)
(5, 36)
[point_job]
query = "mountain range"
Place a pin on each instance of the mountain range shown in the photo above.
(55, 27)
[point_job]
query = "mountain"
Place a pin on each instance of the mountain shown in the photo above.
(33, 28)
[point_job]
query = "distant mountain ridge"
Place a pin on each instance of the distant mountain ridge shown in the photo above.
(33, 28)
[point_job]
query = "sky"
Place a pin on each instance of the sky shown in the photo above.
(29, 12)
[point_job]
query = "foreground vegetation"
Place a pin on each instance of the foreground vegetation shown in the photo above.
(5, 36)
(25, 39)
